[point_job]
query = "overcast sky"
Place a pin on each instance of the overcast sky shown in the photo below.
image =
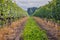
(31, 3)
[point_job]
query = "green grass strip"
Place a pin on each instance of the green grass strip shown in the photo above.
(33, 32)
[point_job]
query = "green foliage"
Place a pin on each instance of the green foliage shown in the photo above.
(10, 11)
(49, 11)
(33, 32)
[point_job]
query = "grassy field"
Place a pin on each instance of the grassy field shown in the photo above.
(33, 32)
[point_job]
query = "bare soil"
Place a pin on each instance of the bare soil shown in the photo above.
(13, 32)
(51, 28)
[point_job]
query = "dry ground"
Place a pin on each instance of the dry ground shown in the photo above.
(13, 31)
(53, 29)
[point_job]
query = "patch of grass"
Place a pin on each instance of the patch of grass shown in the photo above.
(33, 32)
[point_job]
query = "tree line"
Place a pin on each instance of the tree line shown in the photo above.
(49, 11)
(10, 11)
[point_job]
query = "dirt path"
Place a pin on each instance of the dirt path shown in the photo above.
(50, 27)
(13, 32)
